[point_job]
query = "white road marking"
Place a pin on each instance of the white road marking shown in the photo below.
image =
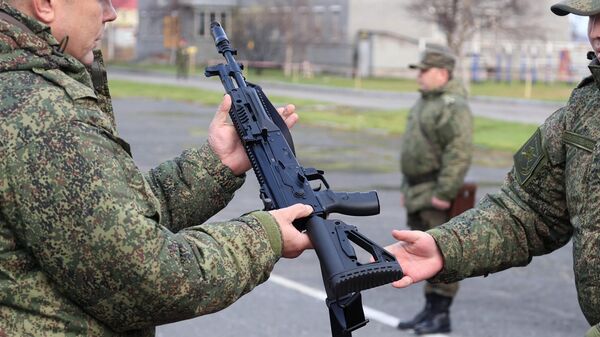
(370, 313)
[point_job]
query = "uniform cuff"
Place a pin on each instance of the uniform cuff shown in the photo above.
(272, 229)
(219, 171)
(451, 254)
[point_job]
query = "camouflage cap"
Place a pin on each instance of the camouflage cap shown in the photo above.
(577, 7)
(436, 56)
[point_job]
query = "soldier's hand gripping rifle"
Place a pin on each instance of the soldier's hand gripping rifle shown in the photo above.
(284, 182)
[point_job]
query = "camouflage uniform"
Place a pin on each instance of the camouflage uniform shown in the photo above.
(435, 156)
(550, 196)
(182, 61)
(89, 245)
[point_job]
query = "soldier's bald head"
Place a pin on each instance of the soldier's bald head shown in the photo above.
(17, 2)
(77, 25)
(25, 6)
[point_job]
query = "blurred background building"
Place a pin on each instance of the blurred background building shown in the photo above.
(501, 40)
(120, 36)
(163, 23)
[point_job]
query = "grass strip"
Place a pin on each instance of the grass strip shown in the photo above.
(488, 133)
(556, 91)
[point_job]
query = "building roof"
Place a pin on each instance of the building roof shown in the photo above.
(125, 4)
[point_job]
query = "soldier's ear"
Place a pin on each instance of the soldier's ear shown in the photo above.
(44, 10)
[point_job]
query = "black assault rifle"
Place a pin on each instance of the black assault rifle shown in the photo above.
(284, 182)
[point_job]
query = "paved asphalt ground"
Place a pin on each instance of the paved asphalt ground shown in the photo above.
(539, 300)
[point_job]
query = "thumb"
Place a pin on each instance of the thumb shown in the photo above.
(406, 236)
(223, 110)
(300, 211)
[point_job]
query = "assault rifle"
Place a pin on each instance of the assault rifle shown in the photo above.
(284, 182)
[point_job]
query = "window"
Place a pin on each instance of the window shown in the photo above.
(223, 20)
(201, 24)
(319, 21)
(335, 23)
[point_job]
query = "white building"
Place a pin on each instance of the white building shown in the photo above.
(376, 37)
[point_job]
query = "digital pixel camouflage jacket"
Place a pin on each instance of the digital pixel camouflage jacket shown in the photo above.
(438, 142)
(551, 195)
(90, 246)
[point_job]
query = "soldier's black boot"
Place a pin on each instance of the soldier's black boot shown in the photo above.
(438, 321)
(420, 317)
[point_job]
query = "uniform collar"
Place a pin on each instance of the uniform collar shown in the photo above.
(594, 67)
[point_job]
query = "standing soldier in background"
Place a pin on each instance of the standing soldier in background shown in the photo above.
(182, 59)
(551, 195)
(435, 156)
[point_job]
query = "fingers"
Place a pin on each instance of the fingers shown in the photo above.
(294, 242)
(289, 115)
(291, 213)
(403, 282)
(291, 120)
(298, 211)
(406, 236)
(440, 204)
(287, 110)
(304, 241)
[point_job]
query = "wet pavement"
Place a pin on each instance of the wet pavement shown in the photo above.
(539, 300)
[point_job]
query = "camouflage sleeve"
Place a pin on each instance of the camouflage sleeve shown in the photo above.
(192, 187)
(528, 217)
(594, 331)
(455, 131)
(81, 212)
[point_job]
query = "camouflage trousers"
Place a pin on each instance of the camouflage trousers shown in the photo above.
(424, 220)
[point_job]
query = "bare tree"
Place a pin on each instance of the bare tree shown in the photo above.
(298, 28)
(459, 20)
(255, 34)
(276, 30)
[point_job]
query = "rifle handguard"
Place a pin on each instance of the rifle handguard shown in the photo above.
(284, 182)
